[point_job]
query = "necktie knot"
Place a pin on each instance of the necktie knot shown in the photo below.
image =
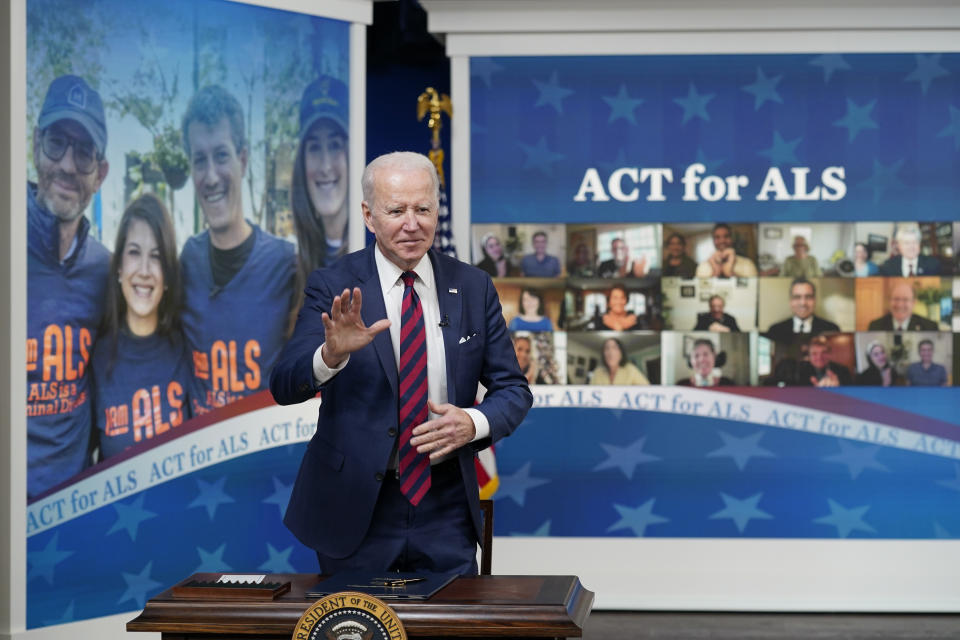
(408, 277)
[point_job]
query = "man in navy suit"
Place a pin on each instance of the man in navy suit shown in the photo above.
(901, 316)
(803, 300)
(347, 502)
(716, 319)
(909, 263)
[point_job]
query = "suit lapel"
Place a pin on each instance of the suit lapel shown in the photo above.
(449, 298)
(373, 310)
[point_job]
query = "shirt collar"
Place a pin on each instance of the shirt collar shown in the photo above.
(390, 273)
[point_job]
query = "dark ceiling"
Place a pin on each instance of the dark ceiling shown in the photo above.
(399, 35)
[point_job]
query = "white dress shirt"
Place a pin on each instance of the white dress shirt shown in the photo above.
(426, 288)
(801, 325)
(907, 265)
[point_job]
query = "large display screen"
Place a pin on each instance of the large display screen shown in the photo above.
(731, 280)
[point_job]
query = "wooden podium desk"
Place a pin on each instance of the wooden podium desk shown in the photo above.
(477, 607)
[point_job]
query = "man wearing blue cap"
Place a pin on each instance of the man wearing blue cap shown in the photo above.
(67, 273)
(238, 279)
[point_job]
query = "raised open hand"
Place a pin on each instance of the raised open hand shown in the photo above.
(345, 330)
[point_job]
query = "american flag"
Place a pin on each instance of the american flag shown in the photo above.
(487, 478)
(443, 240)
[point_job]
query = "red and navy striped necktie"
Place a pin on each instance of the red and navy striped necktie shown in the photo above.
(413, 468)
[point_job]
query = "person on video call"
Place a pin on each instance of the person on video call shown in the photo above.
(238, 279)
(706, 364)
(909, 262)
(901, 316)
(926, 373)
(523, 347)
(819, 370)
(862, 265)
(615, 368)
(540, 264)
(716, 319)
(494, 261)
(620, 265)
(617, 316)
(398, 337)
(878, 372)
(67, 276)
(532, 316)
(803, 300)
(582, 264)
(676, 262)
(801, 264)
(724, 261)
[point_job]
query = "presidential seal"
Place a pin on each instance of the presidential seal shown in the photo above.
(349, 615)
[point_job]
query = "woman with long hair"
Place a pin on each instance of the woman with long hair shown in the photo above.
(615, 368)
(863, 267)
(879, 372)
(319, 187)
(141, 367)
(523, 346)
(494, 259)
(676, 262)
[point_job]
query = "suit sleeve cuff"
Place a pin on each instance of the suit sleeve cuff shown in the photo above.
(321, 372)
(480, 423)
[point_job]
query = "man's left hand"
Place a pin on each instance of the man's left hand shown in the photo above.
(446, 433)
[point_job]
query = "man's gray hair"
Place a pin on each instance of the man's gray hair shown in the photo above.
(401, 160)
(912, 230)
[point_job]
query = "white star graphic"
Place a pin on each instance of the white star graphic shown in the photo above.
(637, 518)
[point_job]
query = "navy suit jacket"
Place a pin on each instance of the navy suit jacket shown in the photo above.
(926, 266)
(783, 331)
(916, 323)
(705, 319)
(333, 499)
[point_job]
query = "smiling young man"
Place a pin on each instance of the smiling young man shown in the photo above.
(238, 279)
(724, 262)
(66, 280)
(398, 337)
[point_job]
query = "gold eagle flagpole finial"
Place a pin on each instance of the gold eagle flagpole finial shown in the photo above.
(433, 103)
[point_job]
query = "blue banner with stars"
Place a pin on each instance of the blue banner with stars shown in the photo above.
(711, 464)
(732, 137)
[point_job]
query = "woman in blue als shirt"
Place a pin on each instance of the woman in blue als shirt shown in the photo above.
(141, 369)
